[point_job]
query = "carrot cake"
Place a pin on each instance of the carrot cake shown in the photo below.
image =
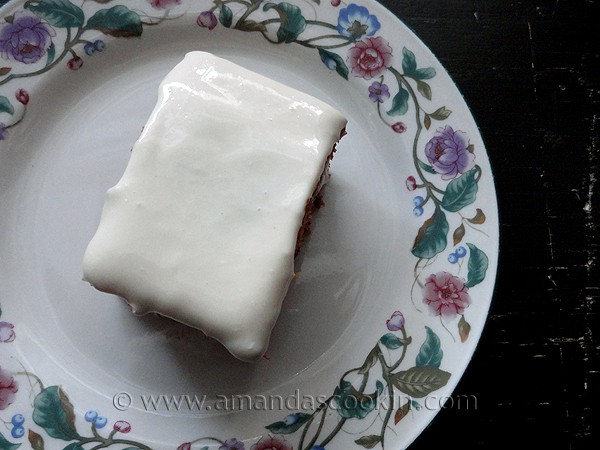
(218, 193)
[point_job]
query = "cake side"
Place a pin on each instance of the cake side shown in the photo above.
(203, 225)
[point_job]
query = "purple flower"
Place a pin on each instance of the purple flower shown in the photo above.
(7, 333)
(3, 132)
(379, 92)
(448, 152)
(232, 444)
(396, 322)
(26, 39)
(207, 19)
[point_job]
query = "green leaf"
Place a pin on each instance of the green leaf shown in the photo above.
(292, 21)
(118, 21)
(430, 353)
(58, 13)
(283, 428)
(391, 341)
(51, 54)
(420, 381)
(6, 445)
(426, 167)
(340, 66)
(353, 404)
(53, 411)
(77, 446)
(431, 238)
(409, 62)
(5, 105)
(36, 441)
(477, 266)
(461, 191)
(424, 89)
(368, 441)
(440, 113)
(225, 16)
(399, 103)
(424, 74)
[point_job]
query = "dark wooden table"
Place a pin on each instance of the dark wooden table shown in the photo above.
(529, 70)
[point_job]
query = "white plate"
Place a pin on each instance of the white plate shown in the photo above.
(355, 335)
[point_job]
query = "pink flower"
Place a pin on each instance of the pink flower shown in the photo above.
(185, 446)
(8, 389)
(446, 294)
(22, 96)
(336, 2)
(411, 183)
(399, 127)
(7, 333)
(271, 443)
(207, 19)
(75, 63)
(164, 4)
(122, 426)
(396, 322)
(369, 57)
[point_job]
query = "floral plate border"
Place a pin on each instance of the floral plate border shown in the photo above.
(41, 35)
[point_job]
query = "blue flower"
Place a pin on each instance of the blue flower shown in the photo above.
(355, 22)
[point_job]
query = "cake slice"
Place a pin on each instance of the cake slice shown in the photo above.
(204, 224)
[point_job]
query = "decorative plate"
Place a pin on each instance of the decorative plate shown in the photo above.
(396, 279)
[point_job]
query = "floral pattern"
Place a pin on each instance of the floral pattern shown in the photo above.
(8, 389)
(45, 34)
(25, 38)
(449, 153)
(446, 295)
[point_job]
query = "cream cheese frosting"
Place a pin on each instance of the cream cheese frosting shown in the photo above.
(202, 225)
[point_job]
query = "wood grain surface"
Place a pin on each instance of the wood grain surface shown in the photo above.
(529, 72)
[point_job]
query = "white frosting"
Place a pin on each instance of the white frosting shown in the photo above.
(202, 225)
